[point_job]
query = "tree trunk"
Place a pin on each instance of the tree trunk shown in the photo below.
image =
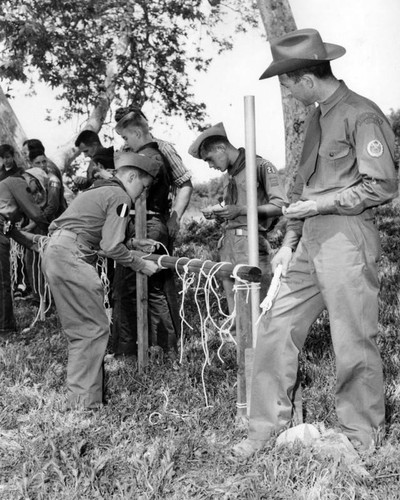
(68, 152)
(11, 131)
(278, 19)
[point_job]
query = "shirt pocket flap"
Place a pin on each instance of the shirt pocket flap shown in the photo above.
(335, 152)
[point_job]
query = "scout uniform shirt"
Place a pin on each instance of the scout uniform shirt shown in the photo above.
(16, 201)
(347, 164)
(99, 216)
(269, 190)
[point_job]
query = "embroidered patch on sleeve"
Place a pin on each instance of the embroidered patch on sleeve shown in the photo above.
(123, 210)
(274, 181)
(375, 148)
(368, 118)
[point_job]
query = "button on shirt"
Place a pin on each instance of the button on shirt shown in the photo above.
(354, 169)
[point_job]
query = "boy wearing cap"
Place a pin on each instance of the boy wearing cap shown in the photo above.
(213, 147)
(16, 201)
(95, 221)
(330, 250)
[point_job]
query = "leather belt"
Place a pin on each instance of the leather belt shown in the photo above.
(70, 234)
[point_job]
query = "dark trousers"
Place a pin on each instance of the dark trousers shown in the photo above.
(7, 319)
(124, 326)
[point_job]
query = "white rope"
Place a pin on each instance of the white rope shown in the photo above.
(273, 290)
(102, 267)
(43, 289)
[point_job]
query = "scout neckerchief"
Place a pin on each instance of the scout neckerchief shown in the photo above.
(233, 171)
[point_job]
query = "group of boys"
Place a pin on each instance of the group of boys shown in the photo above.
(329, 253)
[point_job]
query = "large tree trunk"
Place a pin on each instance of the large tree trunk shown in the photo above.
(278, 19)
(68, 152)
(11, 131)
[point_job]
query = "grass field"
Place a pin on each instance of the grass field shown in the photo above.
(155, 439)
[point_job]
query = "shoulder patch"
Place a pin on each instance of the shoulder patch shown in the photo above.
(368, 118)
(123, 210)
(268, 167)
(375, 148)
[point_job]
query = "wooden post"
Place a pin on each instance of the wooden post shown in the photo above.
(142, 290)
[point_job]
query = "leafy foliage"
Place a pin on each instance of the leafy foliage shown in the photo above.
(155, 46)
(394, 118)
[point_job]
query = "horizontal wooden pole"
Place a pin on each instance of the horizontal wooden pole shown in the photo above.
(244, 272)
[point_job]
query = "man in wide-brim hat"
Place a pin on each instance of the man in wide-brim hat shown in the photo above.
(330, 249)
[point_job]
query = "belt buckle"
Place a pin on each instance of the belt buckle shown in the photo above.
(239, 232)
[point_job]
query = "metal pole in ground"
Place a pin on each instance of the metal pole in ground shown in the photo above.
(252, 231)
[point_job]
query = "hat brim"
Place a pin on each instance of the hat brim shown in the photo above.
(152, 174)
(280, 67)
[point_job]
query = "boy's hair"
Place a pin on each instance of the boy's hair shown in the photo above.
(6, 149)
(322, 71)
(33, 144)
(87, 137)
(121, 112)
(34, 153)
(210, 142)
(133, 119)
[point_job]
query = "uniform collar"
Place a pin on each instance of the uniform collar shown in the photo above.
(152, 144)
(337, 96)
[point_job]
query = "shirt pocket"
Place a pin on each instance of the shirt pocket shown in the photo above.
(337, 165)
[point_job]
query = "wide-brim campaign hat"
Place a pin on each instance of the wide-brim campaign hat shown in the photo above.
(298, 50)
(215, 130)
(40, 175)
(130, 159)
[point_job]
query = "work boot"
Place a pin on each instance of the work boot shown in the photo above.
(247, 448)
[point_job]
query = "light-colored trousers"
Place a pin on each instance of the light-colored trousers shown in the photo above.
(78, 295)
(334, 267)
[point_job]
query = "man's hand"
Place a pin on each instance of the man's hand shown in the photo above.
(150, 268)
(103, 174)
(283, 257)
(143, 245)
(81, 182)
(173, 225)
(300, 209)
(230, 211)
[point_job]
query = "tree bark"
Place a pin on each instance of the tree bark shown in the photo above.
(278, 19)
(11, 131)
(68, 152)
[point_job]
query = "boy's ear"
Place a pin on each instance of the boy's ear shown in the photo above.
(132, 175)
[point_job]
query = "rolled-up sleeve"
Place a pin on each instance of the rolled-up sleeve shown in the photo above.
(179, 173)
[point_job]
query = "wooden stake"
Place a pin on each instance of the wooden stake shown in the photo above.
(142, 290)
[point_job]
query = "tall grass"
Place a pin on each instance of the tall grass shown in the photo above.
(155, 439)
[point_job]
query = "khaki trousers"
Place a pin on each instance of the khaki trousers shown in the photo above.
(78, 295)
(334, 266)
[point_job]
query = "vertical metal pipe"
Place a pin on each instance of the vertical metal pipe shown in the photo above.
(252, 213)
